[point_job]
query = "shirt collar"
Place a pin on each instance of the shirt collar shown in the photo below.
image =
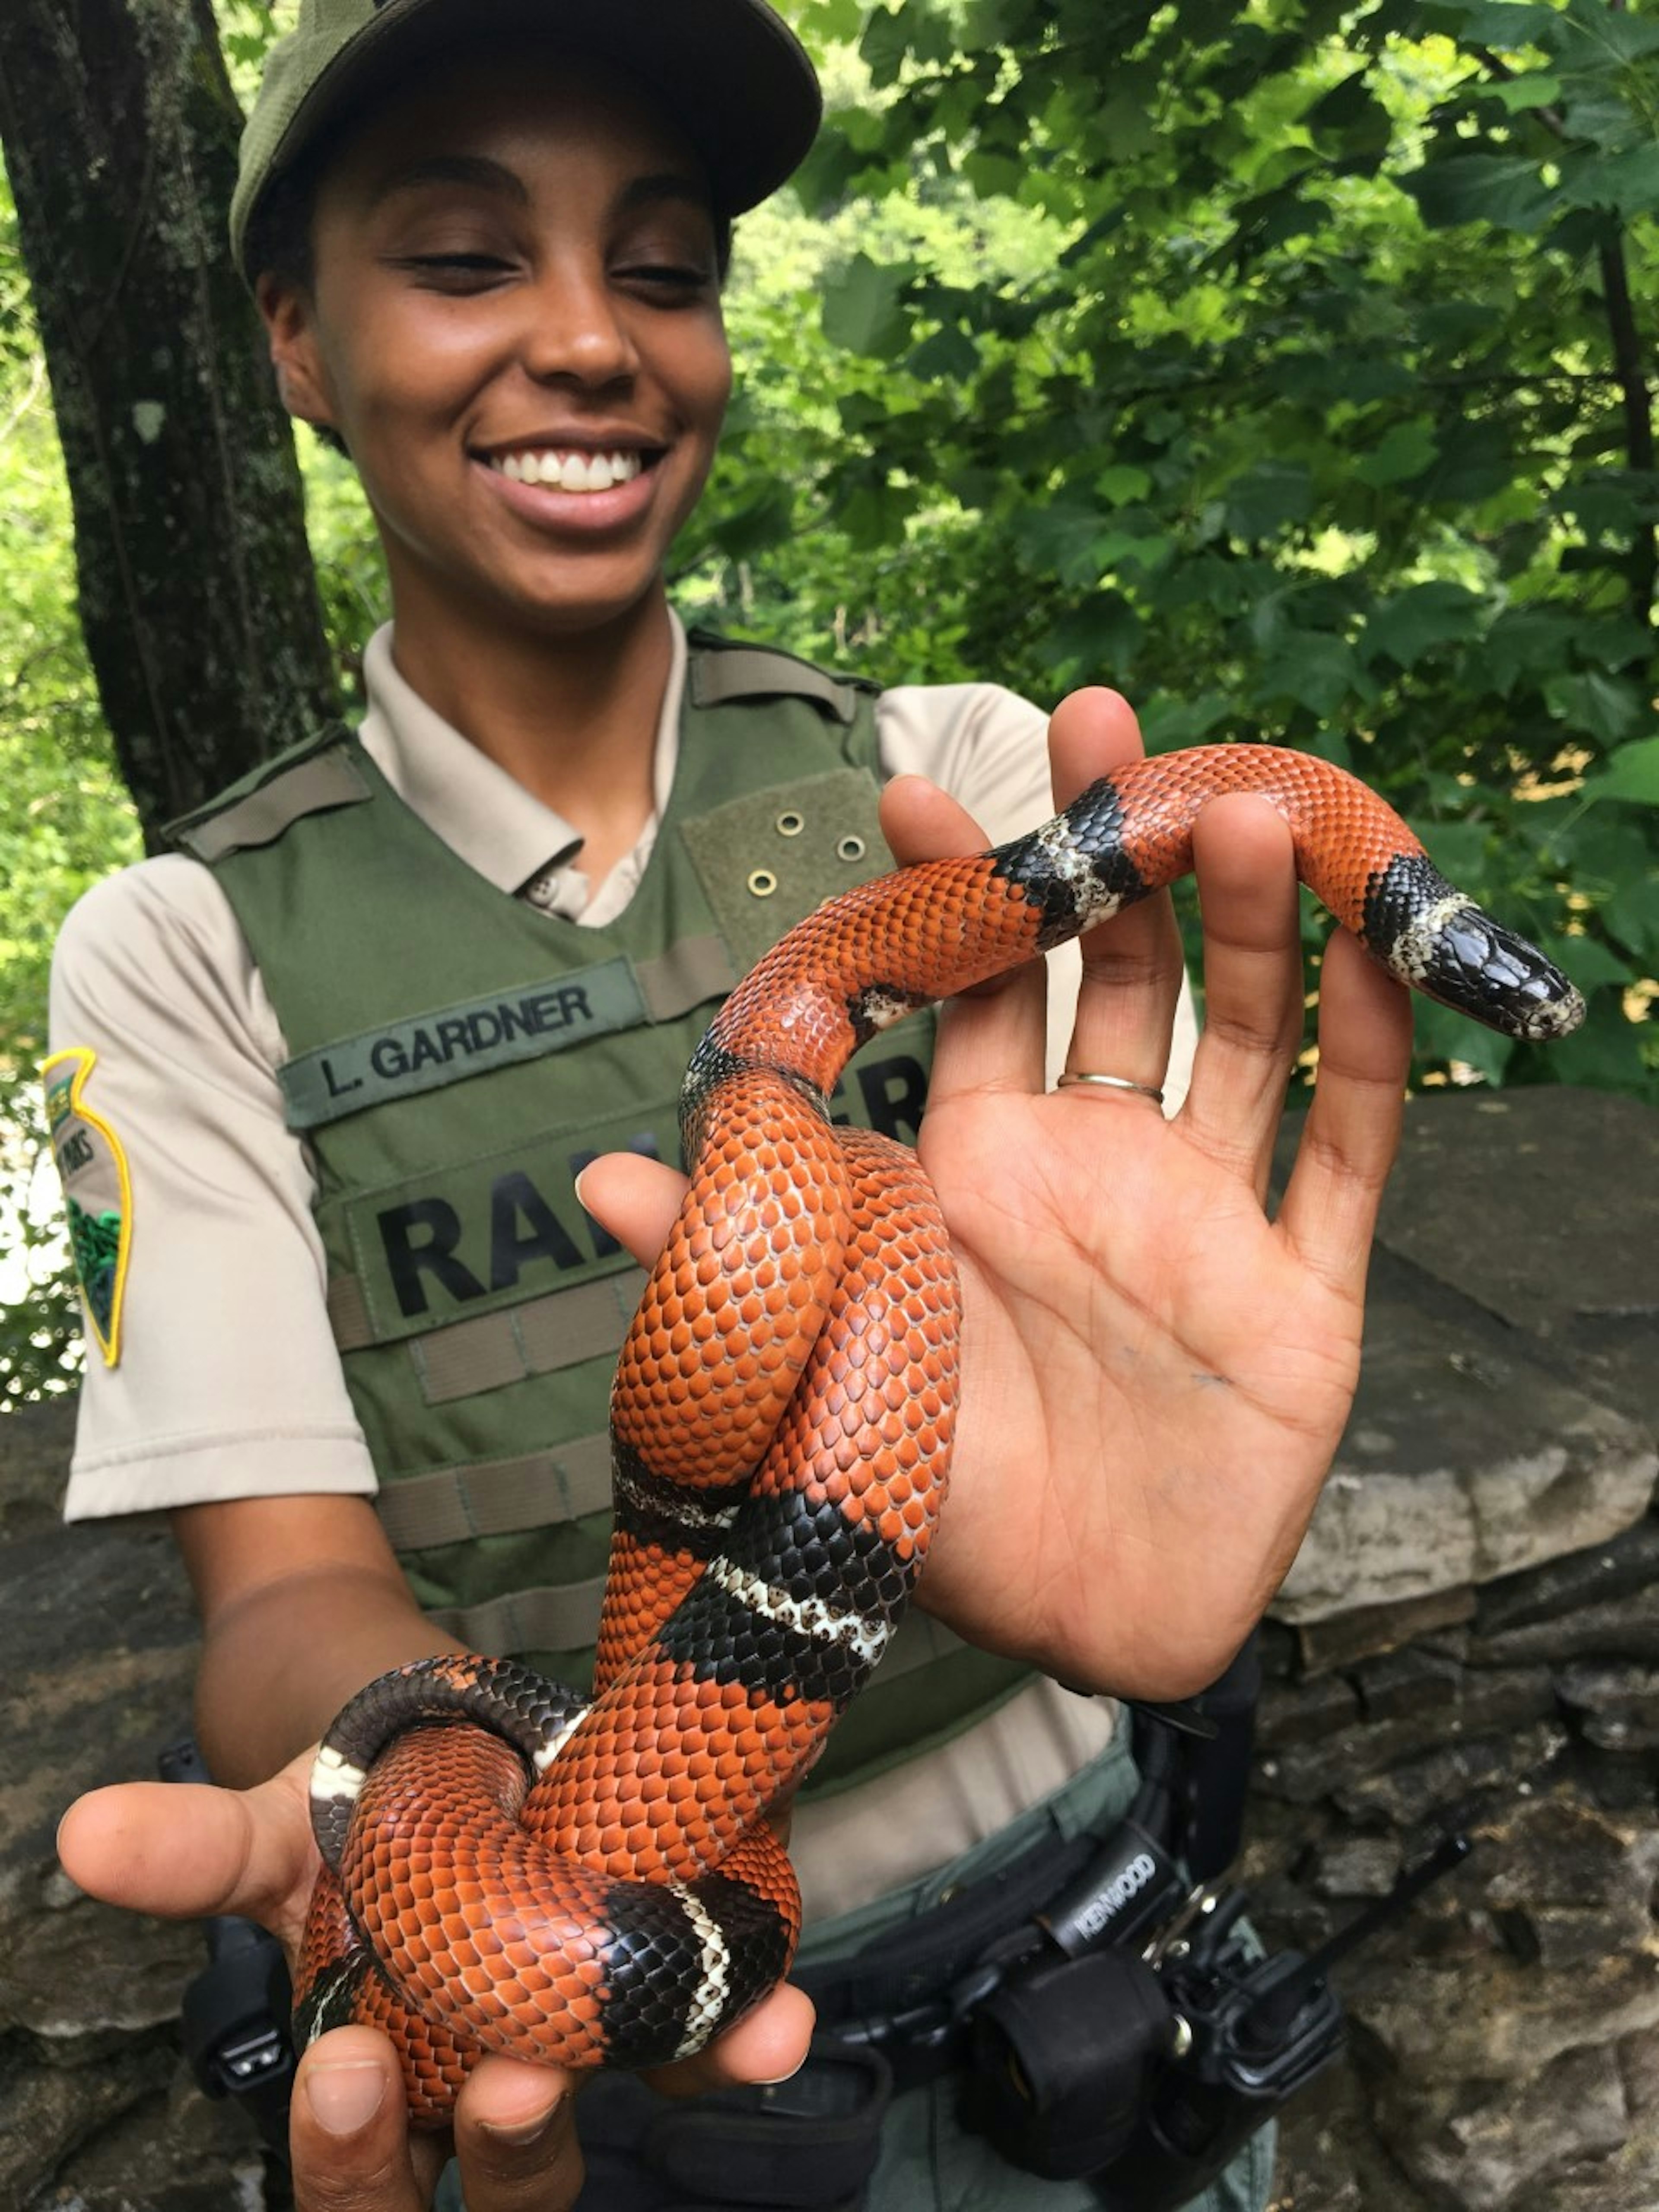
(485, 817)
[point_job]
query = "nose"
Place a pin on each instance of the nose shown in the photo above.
(575, 330)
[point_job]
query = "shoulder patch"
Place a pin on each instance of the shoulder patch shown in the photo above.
(97, 1193)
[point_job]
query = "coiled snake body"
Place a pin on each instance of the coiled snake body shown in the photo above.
(510, 1867)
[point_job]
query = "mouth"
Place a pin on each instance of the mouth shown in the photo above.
(572, 468)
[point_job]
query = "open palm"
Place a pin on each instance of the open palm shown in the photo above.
(1156, 1373)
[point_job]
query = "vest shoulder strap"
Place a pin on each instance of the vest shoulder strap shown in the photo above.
(309, 778)
(723, 668)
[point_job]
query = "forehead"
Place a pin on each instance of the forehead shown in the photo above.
(541, 119)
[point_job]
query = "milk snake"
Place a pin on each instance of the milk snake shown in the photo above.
(510, 1867)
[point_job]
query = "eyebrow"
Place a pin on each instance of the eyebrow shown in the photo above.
(478, 171)
(475, 169)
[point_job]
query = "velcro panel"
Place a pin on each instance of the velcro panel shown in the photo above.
(766, 860)
(501, 1497)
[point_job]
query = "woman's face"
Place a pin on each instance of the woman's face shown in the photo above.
(514, 325)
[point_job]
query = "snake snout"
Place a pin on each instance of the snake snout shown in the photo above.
(1483, 969)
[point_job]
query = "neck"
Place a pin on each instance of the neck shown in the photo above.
(573, 719)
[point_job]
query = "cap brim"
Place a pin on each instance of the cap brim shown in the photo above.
(730, 73)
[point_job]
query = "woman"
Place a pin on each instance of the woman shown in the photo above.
(488, 248)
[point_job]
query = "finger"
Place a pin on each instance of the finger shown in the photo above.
(185, 1854)
(767, 2045)
(922, 823)
(1353, 1129)
(348, 2131)
(515, 2136)
(635, 1199)
(989, 1037)
(1132, 966)
(1253, 984)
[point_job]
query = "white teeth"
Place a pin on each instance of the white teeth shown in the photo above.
(569, 471)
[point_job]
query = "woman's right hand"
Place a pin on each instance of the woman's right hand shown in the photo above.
(186, 1853)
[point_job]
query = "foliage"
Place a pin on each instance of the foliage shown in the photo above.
(66, 822)
(1282, 364)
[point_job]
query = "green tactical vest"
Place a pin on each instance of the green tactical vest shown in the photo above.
(458, 1056)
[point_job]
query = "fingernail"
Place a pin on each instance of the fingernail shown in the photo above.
(346, 2097)
(577, 1187)
(519, 2134)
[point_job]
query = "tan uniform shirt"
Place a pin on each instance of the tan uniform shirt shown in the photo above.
(228, 1384)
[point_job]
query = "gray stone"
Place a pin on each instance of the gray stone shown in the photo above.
(1620, 1628)
(1483, 2016)
(1487, 1463)
(1343, 1639)
(1472, 1705)
(1402, 1683)
(47, 2111)
(1302, 1712)
(1358, 1866)
(1483, 2148)
(1475, 1449)
(37, 1443)
(1449, 1779)
(1618, 1701)
(172, 2151)
(1626, 1564)
(1541, 1206)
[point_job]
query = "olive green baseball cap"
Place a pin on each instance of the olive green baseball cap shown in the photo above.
(730, 73)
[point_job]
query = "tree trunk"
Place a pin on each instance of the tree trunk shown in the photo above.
(198, 595)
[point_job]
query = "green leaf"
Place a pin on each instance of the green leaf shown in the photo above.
(1586, 962)
(1403, 453)
(1504, 189)
(863, 312)
(1628, 183)
(1603, 706)
(1318, 671)
(1631, 773)
(1508, 24)
(1428, 615)
(1268, 497)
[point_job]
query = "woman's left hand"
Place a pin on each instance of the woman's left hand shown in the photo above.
(1157, 1373)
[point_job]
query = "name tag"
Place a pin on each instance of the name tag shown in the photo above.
(424, 1052)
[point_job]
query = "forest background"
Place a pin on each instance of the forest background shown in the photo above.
(1288, 365)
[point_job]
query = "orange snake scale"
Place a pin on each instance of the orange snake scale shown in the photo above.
(510, 1867)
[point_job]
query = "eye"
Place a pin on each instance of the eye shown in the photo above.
(668, 279)
(458, 272)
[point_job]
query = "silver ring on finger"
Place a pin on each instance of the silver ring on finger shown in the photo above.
(1079, 1078)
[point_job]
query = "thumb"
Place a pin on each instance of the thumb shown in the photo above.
(635, 1199)
(185, 1853)
(349, 2130)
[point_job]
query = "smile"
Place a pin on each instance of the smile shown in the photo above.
(569, 471)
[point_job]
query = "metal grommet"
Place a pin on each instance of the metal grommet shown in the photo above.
(762, 883)
(851, 848)
(791, 823)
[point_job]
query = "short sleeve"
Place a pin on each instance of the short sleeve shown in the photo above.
(211, 1370)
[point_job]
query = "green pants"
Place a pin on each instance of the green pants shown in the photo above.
(928, 2162)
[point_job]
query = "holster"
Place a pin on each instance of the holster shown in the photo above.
(809, 2145)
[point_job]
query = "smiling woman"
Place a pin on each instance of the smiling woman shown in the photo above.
(513, 323)
(401, 987)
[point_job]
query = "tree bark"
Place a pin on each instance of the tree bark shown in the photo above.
(198, 595)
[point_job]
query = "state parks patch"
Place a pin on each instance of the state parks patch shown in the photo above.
(97, 1193)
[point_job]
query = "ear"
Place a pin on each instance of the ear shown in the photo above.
(290, 320)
